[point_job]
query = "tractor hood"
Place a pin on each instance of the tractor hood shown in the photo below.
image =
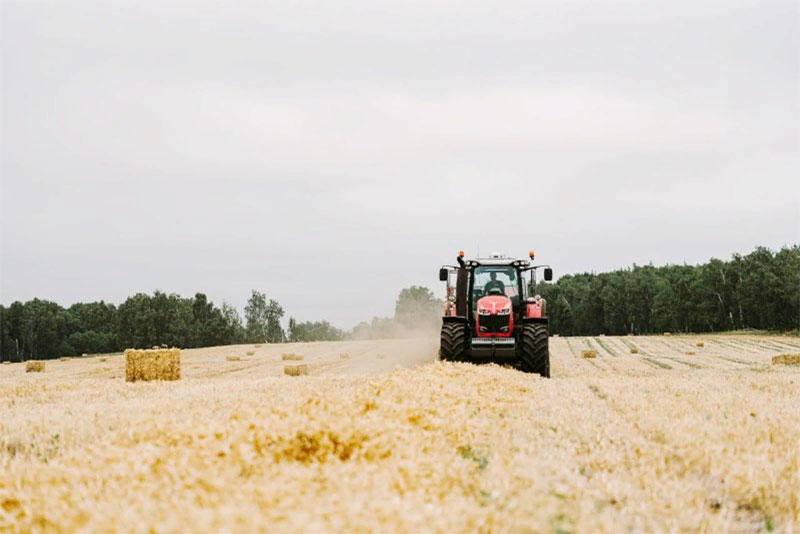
(494, 305)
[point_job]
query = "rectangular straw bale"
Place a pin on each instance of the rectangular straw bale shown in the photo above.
(34, 366)
(291, 356)
(233, 358)
(786, 359)
(589, 353)
(700, 344)
(160, 364)
(634, 351)
(296, 370)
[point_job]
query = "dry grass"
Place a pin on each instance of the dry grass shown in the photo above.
(232, 358)
(786, 359)
(154, 364)
(344, 356)
(588, 353)
(34, 366)
(296, 370)
(700, 344)
(291, 356)
(607, 445)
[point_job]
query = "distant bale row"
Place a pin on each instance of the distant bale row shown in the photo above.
(786, 359)
(153, 364)
(34, 366)
(291, 356)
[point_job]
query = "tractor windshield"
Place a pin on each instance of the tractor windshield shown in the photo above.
(495, 280)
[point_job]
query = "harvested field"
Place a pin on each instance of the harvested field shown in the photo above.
(648, 442)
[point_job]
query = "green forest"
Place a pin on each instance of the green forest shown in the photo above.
(758, 291)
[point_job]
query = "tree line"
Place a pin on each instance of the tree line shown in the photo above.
(760, 290)
(41, 329)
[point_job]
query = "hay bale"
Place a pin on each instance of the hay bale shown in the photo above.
(232, 358)
(33, 366)
(250, 352)
(296, 370)
(667, 334)
(64, 359)
(700, 344)
(344, 355)
(291, 356)
(85, 354)
(786, 359)
(6, 363)
(103, 359)
(258, 345)
(161, 364)
(690, 353)
(589, 353)
(634, 351)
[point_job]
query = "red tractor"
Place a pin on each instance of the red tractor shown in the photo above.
(492, 314)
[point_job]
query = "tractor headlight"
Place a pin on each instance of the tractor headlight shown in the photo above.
(484, 311)
(505, 311)
(451, 298)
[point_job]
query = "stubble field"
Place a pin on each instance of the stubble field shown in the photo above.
(386, 439)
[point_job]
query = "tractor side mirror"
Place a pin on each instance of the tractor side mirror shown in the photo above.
(443, 274)
(548, 274)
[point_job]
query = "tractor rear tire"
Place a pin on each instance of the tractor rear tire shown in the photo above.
(535, 353)
(454, 342)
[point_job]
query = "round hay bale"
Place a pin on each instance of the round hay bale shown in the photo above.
(6, 363)
(250, 352)
(233, 358)
(690, 353)
(103, 359)
(634, 351)
(291, 356)
(700, 344)
(589, 353)
(667, 334)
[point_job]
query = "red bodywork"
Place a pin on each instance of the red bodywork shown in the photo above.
(493, 305)
(533, 309)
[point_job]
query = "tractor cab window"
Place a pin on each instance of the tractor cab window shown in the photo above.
(495, 280)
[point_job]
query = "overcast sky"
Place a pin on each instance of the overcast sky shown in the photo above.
(330, 153)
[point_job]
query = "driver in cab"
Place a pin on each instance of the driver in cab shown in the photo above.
(494, 284)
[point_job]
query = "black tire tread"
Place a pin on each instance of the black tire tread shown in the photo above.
(453, 342)
(535, 351)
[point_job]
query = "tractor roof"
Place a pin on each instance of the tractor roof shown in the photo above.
(494, 260)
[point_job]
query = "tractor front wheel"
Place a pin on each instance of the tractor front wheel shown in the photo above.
(534, 352)
(454, 342)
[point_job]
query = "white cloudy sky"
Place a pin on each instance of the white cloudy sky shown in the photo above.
(331, 153)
